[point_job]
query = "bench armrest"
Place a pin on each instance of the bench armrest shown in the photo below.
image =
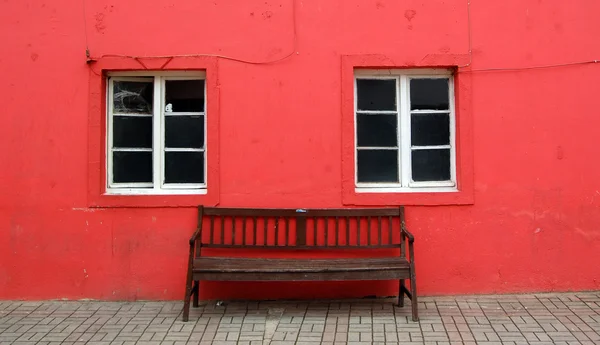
(194, 237)
(410, 236)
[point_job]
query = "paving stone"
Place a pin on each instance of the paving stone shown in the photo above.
(563, 319)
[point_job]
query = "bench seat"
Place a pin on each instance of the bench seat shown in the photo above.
(257, 269)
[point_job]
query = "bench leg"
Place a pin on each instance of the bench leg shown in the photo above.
(188, 294)
(186, 301)
(196, 293)
(413, 299)
(401, 293)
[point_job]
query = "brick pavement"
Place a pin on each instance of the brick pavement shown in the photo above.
(566, 318)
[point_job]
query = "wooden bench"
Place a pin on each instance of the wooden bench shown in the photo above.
(373, 242)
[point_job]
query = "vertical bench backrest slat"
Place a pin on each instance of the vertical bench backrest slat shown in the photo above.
(287, 232)
(347, 231)
(301, 231)
(337, 231)
(276, 231)
(233, 226)
(266, 229)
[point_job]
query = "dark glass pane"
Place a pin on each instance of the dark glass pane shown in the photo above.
(376, 130)
(430, 94)
(184, 131)
(376, 94)
(430, 129)
(431, 165)
(133, 97)
(185, 95)
(184, 167)
(130, 131)
(132, 167)
(377, 165)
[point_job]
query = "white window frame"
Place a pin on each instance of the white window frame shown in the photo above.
(157, 187)
(404, 148)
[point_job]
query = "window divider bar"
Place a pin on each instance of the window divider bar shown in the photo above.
(432, 147)
(185, 113)
(399, 128)
(131, 149)
(156, 133)
(377, 112)
(423, 111)
(404, 140)
(377, 148)
(182, 149)
(131, 115)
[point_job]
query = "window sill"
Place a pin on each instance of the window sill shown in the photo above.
(138, 191)
(124, 198)
(406, 190)
(430, 196)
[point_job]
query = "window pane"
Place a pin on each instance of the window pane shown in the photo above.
(185, 95)
(133, 97)
(431, 165)
(430, 94)
(376, 130)
(184, 167)
(430, 129)
(131, 131)
(132, 167)
(376, 94)
(377, 165)
(184, 131)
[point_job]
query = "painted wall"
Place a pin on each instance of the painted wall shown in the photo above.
(535, 221)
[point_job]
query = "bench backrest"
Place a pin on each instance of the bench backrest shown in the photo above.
(300, 228)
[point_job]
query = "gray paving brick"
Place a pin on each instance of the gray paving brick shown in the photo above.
(562, 319)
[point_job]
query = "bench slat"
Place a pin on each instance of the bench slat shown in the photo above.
(244, 264)
(304, 276)
(270, 212)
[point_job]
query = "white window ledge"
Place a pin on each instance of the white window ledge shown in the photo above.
(150, 191)
(406, 190)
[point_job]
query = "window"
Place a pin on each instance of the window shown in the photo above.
(404, 130)
(156, 138)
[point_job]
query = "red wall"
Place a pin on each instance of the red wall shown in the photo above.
(534, 224)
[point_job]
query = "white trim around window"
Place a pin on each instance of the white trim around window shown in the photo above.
(155, 183)
(400, 113)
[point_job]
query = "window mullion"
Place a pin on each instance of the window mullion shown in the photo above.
(399, 103)
(404, 140)
(157, 134)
